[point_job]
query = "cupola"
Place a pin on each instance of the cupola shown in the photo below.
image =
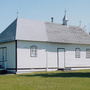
(65, 19)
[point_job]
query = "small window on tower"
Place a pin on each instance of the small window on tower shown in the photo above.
(33, 51)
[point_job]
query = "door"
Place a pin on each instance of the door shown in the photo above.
(61, 58)
(3, 57)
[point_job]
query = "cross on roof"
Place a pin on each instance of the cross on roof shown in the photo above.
(17, 14)
(65, 11)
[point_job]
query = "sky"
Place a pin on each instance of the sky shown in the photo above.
(43, 10)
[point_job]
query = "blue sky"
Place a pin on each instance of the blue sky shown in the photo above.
(43, 10)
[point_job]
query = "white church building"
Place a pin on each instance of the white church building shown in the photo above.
(28, 45)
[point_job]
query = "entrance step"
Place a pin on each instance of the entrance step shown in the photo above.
(65, 69)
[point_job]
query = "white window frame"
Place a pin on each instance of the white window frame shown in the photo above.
(33, 51)
(77, 52)
(88, 53)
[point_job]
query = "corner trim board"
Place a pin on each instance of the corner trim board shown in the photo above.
(16, 54)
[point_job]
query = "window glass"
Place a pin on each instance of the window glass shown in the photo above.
(33, 51)
(77, 53)
(88, 53)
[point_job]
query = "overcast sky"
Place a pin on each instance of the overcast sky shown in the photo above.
(43, 10)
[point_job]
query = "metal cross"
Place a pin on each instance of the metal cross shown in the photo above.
(65, 11)
(17, 14)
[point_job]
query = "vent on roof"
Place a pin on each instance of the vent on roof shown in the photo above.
(52, 19)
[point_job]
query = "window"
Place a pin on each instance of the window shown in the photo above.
(87, 53)
(77, 53)
(33, 51)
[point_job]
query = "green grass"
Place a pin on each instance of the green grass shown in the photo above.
(56, 80)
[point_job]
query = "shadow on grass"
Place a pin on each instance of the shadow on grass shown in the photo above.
(75, 74)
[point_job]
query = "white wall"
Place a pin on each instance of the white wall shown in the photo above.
(70, 59)
(24, 60)
(11, 59)
(47, 55)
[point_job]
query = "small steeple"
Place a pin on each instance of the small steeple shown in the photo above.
(65, 19)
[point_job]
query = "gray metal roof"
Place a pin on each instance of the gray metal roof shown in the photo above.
(23, 29)
(31, 30)
(9, 33)
(66, 34)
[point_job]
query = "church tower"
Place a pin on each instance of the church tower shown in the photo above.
(65, 19)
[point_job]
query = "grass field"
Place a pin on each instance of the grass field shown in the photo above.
(57, 80)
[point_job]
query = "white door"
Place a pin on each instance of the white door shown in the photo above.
(3, 57)
(61, 58)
